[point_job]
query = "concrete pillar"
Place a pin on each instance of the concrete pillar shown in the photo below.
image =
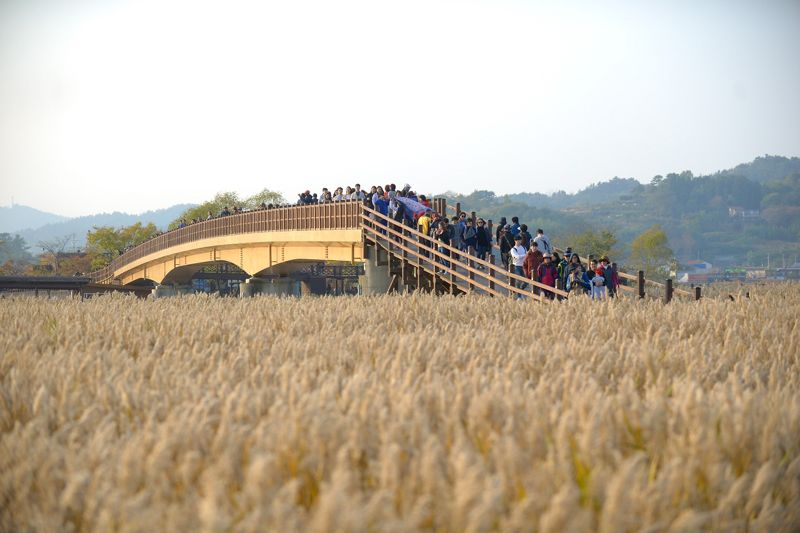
(375, 279)
(163, 291)
(183, 289)
(248, 288)
(280, 287)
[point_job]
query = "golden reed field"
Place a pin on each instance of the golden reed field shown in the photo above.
(400, 413)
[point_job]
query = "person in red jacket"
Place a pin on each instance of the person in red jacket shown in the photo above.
(547, 274)
(532, 261)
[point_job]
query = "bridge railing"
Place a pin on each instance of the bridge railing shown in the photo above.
(340, 215)
(629, 283)
(460, 270)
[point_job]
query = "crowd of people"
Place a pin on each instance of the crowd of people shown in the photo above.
(532, 257)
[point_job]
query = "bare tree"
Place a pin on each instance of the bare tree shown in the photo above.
(54, 249)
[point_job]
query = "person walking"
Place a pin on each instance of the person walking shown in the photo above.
(547, 274)
(443, 235)
(533, 259)
(500, 228)
(506, 244)
(518, 253)
(424, 227)
(470, 237)
(544, 242)
(483, 240)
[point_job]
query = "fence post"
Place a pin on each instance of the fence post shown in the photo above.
(491, 274)
(471, 264)
(452, 270)
(697, 293)
(640, 282)
(668, 291)
(458, 208)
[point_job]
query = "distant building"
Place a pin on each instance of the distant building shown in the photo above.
(741, 212)
(697, 272)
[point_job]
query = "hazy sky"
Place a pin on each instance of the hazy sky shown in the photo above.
(112, 105)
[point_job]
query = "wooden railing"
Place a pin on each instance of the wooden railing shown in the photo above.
(658, 290)
(340, 215)
(461, 271)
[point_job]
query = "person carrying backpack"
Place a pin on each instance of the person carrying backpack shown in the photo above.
(544, 242)
(547, 274)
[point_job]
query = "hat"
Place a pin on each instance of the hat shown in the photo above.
(568, 251)
(547, 255)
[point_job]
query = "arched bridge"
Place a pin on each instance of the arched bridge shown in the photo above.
(258, 242)
(272, 243)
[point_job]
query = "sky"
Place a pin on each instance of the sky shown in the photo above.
(139, 105)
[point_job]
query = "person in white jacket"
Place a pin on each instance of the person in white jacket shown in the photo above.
(518, 260)
(598, 290)
(543, 242)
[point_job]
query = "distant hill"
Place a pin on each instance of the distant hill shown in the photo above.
(19, 217)
(702, 215)
(766, 168)
(80, 225)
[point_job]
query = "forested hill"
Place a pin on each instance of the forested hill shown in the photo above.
(702, 215)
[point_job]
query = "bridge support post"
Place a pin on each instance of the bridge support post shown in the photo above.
(279, 287)
(250, 287)
(163, 291)
(376, 278)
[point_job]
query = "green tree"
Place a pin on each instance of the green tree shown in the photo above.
(231, 200)
(13, 248)
(105, 243)
(594, 243)
(650, 251)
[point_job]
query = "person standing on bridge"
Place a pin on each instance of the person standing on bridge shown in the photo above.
(500, 227)
(544, 242)
(443, 235)
(506, 244)
(358, 194)
(532, 261)
(470, 237)
(518, 261)
(483, 240)
(424, 227)
(547, 274)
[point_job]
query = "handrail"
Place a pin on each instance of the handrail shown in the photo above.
(339, 215)
(453, 250)
(486, 288)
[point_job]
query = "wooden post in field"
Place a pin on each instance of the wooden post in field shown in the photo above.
(668, 291)
(491, 274)
(640, 283)
(697, 293)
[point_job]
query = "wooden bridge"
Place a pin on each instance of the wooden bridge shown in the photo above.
(270, 244)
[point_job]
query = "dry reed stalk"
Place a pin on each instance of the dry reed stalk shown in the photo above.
(400, 413)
